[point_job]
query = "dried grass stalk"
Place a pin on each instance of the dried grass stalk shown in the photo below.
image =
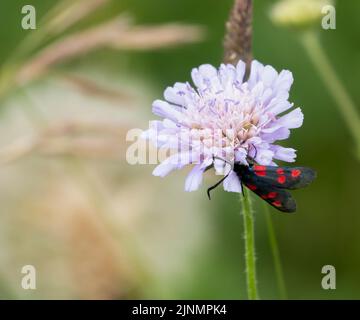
(18, 149)
(91, 88)
(73, 13)
(69, 47)
(155, 37)
(86, 139)
(117, 34)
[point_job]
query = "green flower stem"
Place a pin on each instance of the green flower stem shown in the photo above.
(249, 246)
(275, 253)
(323, 66)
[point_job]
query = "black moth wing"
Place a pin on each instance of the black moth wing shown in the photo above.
(277, 197)
(284, 177)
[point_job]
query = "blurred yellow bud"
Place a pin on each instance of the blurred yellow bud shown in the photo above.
(298, 13)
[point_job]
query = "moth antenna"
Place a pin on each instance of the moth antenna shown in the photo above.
(252, 145)
(216, 185)
(225, 160)
(255, 151)
(254, 157)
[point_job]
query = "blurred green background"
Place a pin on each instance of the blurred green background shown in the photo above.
(152, 240)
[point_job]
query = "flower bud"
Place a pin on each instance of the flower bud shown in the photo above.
(298, 13)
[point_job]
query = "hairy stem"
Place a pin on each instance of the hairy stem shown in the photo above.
(275, 253)
(249, 246)
(238, 46)
(326, 71)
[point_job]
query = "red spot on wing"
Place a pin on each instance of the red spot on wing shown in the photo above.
(251, 187)
(260, 170)
(280, 171)
(264, 196)
(281, 179)
(277, 203)
(272, 195)
(295, 173)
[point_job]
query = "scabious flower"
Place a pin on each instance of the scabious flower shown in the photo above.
(226, 118)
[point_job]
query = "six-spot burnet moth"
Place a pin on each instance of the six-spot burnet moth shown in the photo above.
(271, 183)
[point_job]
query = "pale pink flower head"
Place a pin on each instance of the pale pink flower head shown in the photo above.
(225, 117)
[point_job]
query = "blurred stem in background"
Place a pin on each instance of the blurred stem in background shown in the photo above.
(347, 108)
(304, 17)
(98, 198)
(275, 252)
(249, 237)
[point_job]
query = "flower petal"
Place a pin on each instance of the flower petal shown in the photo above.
(268, 76)
(279, 134)
(165, 110)
(220, 166)
(232, 183)
(264, 156)
(206, 77)
(240, 72)
(194, 179)
(284, 154)
(240, 156)
(227, 75)
(163, 169)
(292, 120)
(176, 94)
(277, 106)
(255, 72)
(181, 94)
(175, 161)
(284, 81)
